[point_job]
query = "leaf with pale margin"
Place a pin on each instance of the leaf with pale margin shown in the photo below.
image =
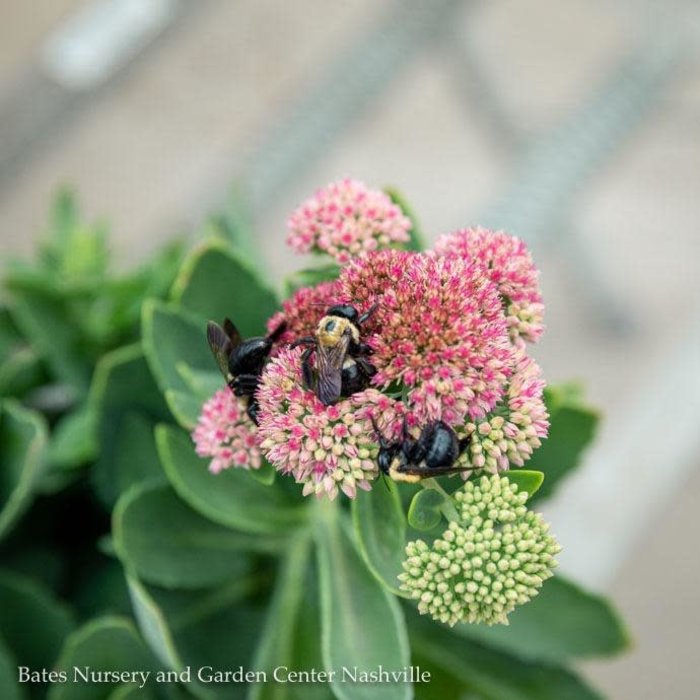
(561, 623)
(233, 497)
(23, 440)
(362, 624)
(380, 528)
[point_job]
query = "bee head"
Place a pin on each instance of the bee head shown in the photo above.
(346, 311)
(332, 328)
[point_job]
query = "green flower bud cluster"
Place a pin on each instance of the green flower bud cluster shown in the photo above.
(495, 557)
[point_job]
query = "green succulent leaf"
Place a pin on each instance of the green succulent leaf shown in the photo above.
(232, 498)
(186, 408)
(425, 511)
(278, 641)
(310, 277)
(172, 339)
(491, 674)
(23, 439)
(168, 544)
(417, 240)
(50, 329)
(525, 479)
(215, 283)
(74, 439)
(104, 644)
(362, 624)
(20, 364)
(129, 405)
(9, 687)
(561, 623)
(211, 627)
(380, 529)
(32, 621)
(573, 427)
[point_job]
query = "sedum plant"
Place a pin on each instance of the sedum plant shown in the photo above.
(150, 525)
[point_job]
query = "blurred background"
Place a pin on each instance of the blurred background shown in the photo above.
(574, 124)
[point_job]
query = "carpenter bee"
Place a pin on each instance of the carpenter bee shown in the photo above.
(341, 358)
(434, 453)
(241, 361)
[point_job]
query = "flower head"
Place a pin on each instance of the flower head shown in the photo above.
(303, 310)
(345, 219)
(439, 330)
(510, 267)
(225, 433)
(494, 558)
(326, 448)
(507, 436)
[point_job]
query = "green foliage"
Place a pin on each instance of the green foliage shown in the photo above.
(109, 518)
(23, 437)
(361, 621)
(573, 427)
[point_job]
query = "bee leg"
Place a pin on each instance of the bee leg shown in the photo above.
(252, 410)
(360, 350)
(464, 443)
(306, 340)
(306, 368)
(367, 314)
(368, 369)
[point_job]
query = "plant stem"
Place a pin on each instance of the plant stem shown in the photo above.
(447, 508)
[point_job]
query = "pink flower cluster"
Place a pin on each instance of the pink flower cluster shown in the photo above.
(326, 448)
(507, 436)
(510, 267)
(440, 331)
(345, 219)
(225, 433)
(448, 344)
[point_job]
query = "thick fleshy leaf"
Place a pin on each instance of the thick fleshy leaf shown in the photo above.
(9, 687)
(561, 623)
(166, 543)
(20, 366)
(362, 624)
(310, 277)
(23, 439)
(526, 480)
(45, 322)
(74, 438)
(210, 628)
(129, 405)
(490, 674)
(33, 622)
(572, 429)
(215, 283)
(277, 646)
(173, 338)
(425, 511)
(185, 407)
(233, 497)
(417, 241)
(104, 644)
(380, 529)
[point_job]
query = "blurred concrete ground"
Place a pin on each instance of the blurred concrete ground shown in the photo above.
(158, 147)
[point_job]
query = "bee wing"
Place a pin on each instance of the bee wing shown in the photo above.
(221, 346)
(329, 364)
(232, 333)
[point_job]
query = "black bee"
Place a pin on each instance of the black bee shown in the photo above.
(341, 358)
(434, 453)
(241, 361)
